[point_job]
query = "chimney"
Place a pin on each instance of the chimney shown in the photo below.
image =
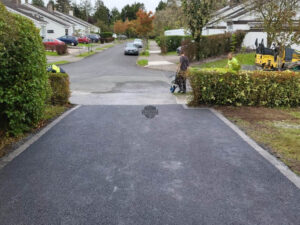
(50, 6)
(71, 12)
(26, 1)
(17, 2)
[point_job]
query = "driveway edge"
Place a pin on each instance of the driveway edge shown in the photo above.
(269, 157)
(6, 159)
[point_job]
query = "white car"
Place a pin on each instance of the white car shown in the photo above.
(138, 43)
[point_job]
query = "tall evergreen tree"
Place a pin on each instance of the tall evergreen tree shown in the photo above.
(102, 13)
(115, 15)
(63, 5)
(129, 11)
(161, 6)
(38, 3)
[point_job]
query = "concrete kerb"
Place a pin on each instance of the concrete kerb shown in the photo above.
(6, 159)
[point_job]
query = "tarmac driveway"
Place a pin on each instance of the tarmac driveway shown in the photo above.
(111, 165)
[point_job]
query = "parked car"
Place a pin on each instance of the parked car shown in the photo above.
(84, 40)
(178, 50)
(131, 49)
(138, 43)
(52, 42)
(94, 37)
(122, 37)
(71, 40)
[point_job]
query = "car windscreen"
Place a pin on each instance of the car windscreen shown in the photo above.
(130, 45)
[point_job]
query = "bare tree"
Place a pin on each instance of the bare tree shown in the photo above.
(280, 20)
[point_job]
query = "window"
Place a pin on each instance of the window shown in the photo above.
(50, 31)
(67, 32)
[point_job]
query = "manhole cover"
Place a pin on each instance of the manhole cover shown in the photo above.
(150, 111)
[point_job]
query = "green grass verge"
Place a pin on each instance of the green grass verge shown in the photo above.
(59, 62)
(172, 53)
(51, 53)
(86, 54)
(276, 129)
(243, 58)
(145, 53)
(142, 62)
(51, 112)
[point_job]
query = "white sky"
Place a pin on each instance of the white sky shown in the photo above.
(149, 4)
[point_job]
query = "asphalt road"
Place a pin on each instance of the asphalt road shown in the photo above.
(110, 165)
(113, 78)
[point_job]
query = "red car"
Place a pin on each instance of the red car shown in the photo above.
(52, 42)
(84, 40)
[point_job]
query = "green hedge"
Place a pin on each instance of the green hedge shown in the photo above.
(256, 88)
(106, 34)
(24, 86)
(60, 86)
(171, 43)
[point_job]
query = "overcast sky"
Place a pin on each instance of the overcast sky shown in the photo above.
(149, 4)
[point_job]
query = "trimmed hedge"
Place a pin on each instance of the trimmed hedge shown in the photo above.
(171, 43)
(106, 34)
(60, 49)
(255, 88)
(60, 86)
(24, 86)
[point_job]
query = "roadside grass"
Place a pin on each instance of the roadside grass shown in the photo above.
(51, 113)
(243, 58)
(59, 62)
(51, 53)
(142, 62)
(171, 53)
(277, 130)
(86, 54)
(105, 47)
(145, 53)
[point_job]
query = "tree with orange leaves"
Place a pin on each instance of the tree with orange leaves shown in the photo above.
(120, 27)
(144, 23)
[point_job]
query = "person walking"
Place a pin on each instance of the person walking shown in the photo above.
(182, 72)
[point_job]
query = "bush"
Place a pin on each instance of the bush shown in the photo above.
(60, 49)
(171, 43)
(24, 86)
(106, 34)
(214, 45)
(256, 88)
(60, 86)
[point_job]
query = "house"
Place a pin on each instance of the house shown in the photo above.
(240, 17)
(52, 24)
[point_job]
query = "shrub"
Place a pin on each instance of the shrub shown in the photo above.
(62, 49)
(106, 34)
(24, 85)
(60, 86)
(256, 88)
(214, 45)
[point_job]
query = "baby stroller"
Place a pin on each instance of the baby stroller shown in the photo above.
(174, 84)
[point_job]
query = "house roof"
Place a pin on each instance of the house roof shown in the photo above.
(44, 12)
(23, 10)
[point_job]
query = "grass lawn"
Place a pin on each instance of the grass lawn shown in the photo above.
(145, 53)
(50, 113)
(172, 53)
(277, 130)
(86, 54)
(142, 62)
(59, 62)
(51, 53)
(243, 58)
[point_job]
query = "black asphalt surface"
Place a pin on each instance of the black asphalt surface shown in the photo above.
(110, 165)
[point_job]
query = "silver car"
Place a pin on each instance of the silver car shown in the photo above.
(138, 43)
(131, 49)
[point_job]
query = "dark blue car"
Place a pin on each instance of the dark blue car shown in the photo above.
(70, 40)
